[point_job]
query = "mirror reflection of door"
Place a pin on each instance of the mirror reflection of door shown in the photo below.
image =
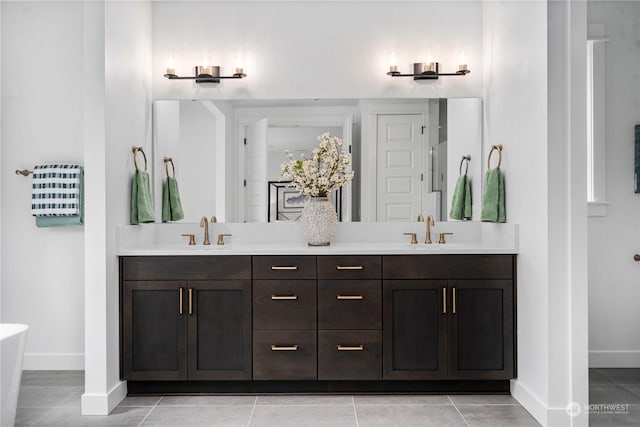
(255, 171)
(400, 141)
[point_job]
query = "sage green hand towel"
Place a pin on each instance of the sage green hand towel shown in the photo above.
(461, 201)
(171, 205)
(141, 203)
(493, 202)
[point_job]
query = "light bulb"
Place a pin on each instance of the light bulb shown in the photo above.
(393, 63)
(171, 69)
(430, 65)
(463, 63)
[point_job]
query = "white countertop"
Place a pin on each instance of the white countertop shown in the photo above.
(285, 239)
(302, 249)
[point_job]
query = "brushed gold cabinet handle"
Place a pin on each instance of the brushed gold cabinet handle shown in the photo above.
(180, 302)
(349, 267)
(275, 347)
(454, 300)
(190, 301)
(350, 347)
(444, 300)
(350, 297)
(284, 267)
(284, 297)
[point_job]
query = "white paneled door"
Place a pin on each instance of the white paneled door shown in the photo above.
(399, 169)
(255, 172)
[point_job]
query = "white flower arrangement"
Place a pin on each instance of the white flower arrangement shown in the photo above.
(324, 172)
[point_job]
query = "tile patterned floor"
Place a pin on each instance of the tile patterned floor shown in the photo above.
(52, 398)
(619, 387)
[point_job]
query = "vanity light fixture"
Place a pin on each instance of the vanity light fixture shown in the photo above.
(427, 71)
(205, 74)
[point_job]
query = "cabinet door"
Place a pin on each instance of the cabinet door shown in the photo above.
(220, 330)
(154, 332)
(481, 329)
(415, 329)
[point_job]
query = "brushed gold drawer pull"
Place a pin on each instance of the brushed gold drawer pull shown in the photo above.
(275, 347)
(350, 347)
(284, 267)
(444, 300)
(350, 297)
(284, 297)
(190, 301)
(454, 300)
(180, 302)
(349, 267)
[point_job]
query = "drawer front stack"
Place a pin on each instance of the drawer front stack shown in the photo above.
(349, 318)
(284, 318)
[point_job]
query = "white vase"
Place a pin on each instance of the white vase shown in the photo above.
(319, 221)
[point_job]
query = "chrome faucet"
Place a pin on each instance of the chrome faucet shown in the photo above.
(204, 222)
(430, 223)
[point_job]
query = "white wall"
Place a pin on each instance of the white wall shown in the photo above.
(464, 137)
(515, 103)
(42, 269)
(127, 122)
(567, 212)
(614, 294)
(186, 132)
(316, 49)
(536, 111)
(166, 142)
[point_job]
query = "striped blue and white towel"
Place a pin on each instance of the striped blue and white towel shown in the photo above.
(56, 190)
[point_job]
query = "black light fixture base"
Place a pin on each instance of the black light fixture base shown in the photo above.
(429, 74)
(212, 76)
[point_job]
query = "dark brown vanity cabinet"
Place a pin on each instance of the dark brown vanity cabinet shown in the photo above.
(327, 318)
(198, 328)
(449, 317)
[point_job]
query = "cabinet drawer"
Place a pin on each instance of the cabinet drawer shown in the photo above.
(349, 267)
(349, 304)
(447, 266)
(286, 304)
(349, 355)
(284, 355)
(284, 267)
(186, 268)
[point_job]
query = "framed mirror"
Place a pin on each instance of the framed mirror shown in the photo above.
(406, 155)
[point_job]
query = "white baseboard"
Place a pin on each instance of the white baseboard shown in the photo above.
(103, 404)
(529, 402)
(614, 359)
(552, 417)
(53, 362)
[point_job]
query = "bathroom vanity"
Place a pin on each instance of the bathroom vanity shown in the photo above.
(403, 318)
